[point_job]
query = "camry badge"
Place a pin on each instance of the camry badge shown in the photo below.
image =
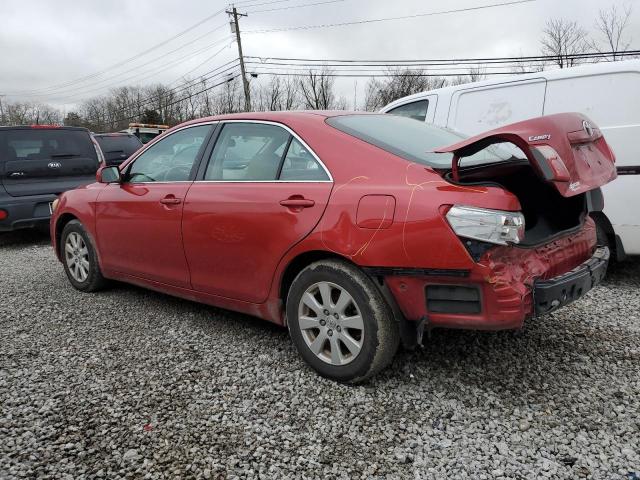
(54, 165)
(537, 138)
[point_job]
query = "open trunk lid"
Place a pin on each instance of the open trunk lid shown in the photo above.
(566, 150)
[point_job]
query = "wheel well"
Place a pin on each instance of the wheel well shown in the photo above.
(602, 222)
(298, 264)
(62, 221)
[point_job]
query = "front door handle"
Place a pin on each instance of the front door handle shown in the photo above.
(170, 200)
(297, 203)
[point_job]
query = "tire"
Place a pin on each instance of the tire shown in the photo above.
(358, 338)
(602, 236)
(79, 258)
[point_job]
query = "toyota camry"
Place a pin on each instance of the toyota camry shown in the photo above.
(358, 232)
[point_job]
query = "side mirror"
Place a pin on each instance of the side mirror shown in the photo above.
(108, 175)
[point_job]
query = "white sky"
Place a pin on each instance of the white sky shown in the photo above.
(46, 43)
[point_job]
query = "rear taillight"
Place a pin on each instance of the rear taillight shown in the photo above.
(493, 226)
(3, 214)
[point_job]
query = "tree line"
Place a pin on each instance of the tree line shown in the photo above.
(562, 42)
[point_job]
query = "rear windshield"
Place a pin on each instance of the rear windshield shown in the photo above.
(413, 140)
(146, 137)
(41, 144)
(114, 146)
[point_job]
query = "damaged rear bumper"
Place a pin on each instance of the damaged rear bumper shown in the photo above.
(549, 295)
(507, 286)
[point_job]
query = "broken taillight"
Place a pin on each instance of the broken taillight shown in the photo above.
(558, 169)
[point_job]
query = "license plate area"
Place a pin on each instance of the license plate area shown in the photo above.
(551, 294)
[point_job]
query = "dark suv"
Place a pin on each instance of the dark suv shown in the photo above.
(38, 163)
(117, 147)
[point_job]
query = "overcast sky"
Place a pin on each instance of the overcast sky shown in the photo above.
(45, 43)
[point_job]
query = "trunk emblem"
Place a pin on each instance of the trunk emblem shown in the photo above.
(54, 165)
(588, 129)
(537, 138)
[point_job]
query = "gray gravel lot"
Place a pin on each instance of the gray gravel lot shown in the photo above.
(133, 384)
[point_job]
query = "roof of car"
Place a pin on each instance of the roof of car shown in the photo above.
(279, 116)
(41, 127)
(114, 134)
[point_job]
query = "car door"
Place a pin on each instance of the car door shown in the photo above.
(262, 191)
(138, 221)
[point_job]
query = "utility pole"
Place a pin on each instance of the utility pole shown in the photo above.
(235, 27)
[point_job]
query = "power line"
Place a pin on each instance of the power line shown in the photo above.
(375, 75)
(123, 62)
(104, 124)
(139, 76)
(290, 7)
(403, 17)
(152, 98)
(429, 62)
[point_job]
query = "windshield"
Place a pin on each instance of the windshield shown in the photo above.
(40, 144)
(415, 141)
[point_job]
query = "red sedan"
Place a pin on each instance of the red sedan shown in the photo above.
(357, 231)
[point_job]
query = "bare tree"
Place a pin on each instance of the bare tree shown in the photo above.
(475, 74)
(25, 113)
(563, 40)
(400, 83)
(612, 24)
(316, 90)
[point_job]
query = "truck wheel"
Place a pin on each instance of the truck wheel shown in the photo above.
(340, 322)
(80, 259)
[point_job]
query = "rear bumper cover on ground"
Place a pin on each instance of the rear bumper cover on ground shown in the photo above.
(551, 294)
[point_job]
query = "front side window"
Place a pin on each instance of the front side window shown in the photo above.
(415, 110)
(171, 159)
(248, 152)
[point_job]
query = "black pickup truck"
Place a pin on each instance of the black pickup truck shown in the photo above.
(37, 163)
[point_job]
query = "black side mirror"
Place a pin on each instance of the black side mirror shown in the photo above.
(108, 175)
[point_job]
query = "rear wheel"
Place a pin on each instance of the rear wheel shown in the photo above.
(340, 322)
(80, 259)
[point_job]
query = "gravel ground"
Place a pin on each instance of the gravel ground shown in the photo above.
(133, 384)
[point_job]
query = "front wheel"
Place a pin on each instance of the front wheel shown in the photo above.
(340, 322)
(80, 259)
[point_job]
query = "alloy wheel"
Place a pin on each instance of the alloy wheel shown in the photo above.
(77, 257)
(331, 323)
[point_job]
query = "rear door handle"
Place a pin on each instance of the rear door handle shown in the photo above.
(16, 174)
(171, 200)
(297, 203)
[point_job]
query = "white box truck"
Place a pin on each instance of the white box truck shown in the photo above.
(608, 93)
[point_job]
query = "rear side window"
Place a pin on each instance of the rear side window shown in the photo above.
(43, 144)
(415, 110)
(300, 165)
(248, 152)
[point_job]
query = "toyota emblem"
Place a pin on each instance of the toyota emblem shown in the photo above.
(586, 126)
(54, 165)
